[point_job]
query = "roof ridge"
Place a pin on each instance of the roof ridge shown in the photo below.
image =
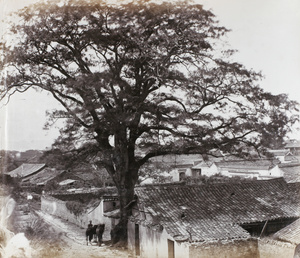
(230, 183)
(33, 163)
(285, 165)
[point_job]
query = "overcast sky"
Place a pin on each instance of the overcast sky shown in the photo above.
(265, 32)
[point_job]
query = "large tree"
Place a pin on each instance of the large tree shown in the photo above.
(138, 80)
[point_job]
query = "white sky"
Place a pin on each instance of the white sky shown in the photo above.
(265, 32)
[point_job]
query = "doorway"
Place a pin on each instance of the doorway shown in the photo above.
(171, 251)
(137, 239)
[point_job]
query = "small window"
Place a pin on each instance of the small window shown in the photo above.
(198, 172)
(181, 176)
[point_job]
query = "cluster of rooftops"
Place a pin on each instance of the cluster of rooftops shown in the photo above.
(216, 211)
(208, 212)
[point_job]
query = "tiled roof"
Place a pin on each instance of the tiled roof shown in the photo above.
(184, 158)
(87, 172)
(247, 164)
(294, 190)
(295, 144)
(43, 176)
(85, 176)
(291, 157)
(291, 172)
(282, 152)
(290, 233)
(26, 170)
(215, 211)
(203, 164)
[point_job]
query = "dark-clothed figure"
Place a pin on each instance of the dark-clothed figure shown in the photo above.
(99, 233)
(94, 230)
(89, 233)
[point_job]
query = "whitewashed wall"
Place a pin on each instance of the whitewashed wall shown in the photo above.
(58, 208)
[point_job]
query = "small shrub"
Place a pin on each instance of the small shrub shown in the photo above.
(75, 207)
(36, 229)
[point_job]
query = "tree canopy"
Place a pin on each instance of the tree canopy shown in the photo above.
(141, 79)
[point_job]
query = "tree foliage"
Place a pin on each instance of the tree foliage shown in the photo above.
(138, 80)
(7, 162)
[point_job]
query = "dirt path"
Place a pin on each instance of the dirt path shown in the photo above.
(74, 243)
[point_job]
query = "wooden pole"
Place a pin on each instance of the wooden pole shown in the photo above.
(263, 229)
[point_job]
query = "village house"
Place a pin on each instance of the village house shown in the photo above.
(172, 168)
(92, 175)
(25, 170)
(211, 220)
(175, 159)
(179, 172)
(23, 173)
(72, 180)
(195, 167)
(293, 146)
(38, 180)
(37, 176)
(283, 155)
(205, 168)
(41, 178)
(259, 169)
(84, 176)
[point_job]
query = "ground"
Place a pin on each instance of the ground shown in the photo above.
(53, 237)
(74, 242)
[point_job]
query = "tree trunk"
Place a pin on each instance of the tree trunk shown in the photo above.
(119, 232)
(124, 172)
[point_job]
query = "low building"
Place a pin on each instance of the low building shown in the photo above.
(293, 146)
(26, 170)
(205, 168)
(41, 178)
(283, 155)
(179, 172)
(186, 221)
(179, 166)
(260, 169)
